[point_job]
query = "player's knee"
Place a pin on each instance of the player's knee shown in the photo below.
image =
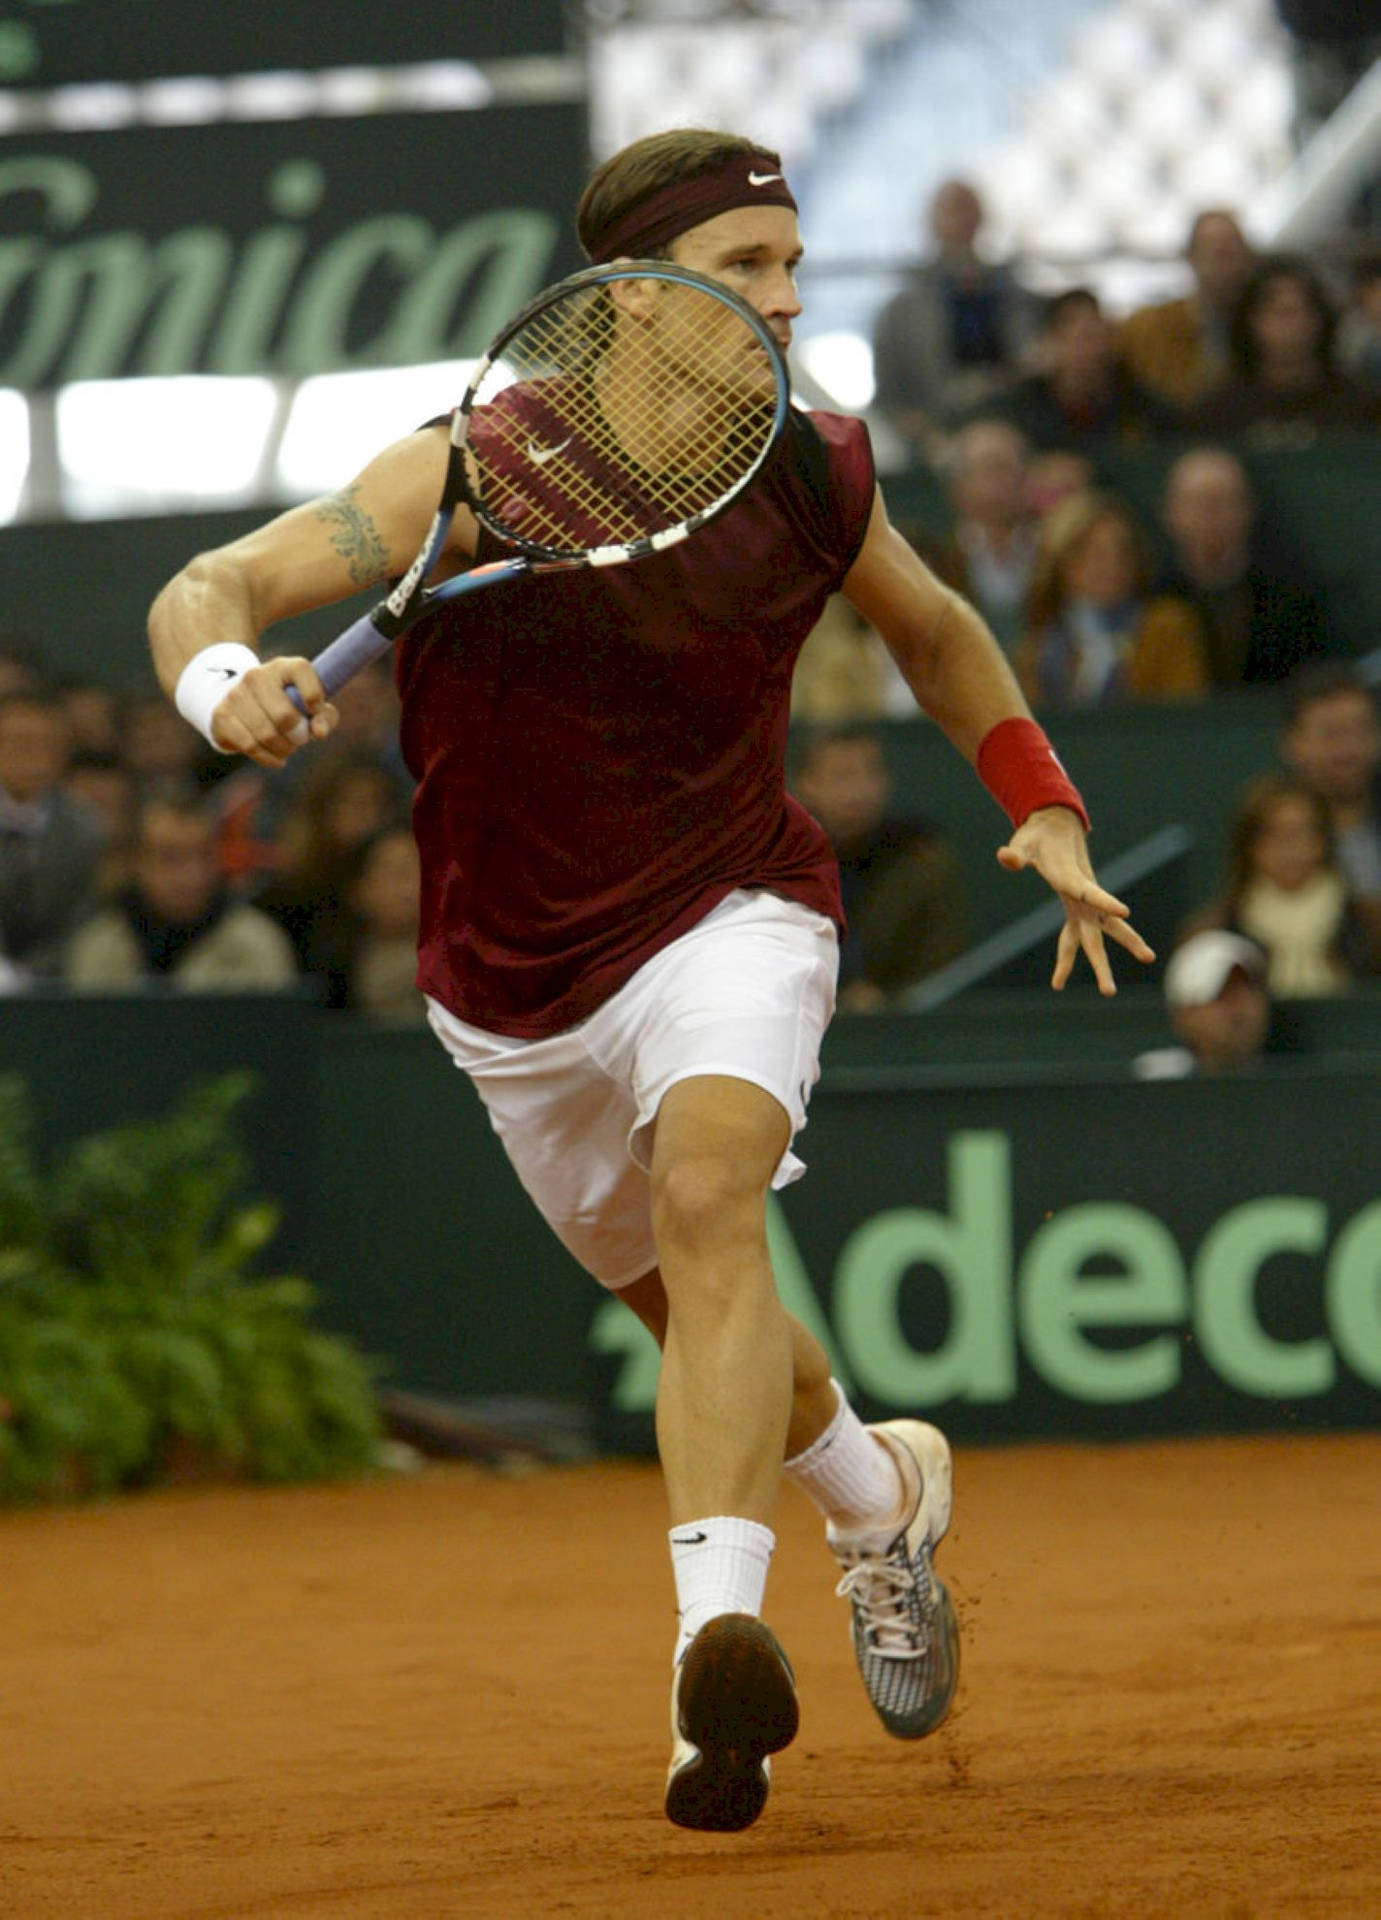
(704, 1199)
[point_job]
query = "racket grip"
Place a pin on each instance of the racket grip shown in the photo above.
(342, 659)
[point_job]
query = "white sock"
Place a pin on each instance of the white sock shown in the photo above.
(851, 1476)
(720, 1566)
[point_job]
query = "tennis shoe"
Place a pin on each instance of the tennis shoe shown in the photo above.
(733, 1702)
(905, 1634)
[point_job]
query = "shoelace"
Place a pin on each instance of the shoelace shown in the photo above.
(880, 1590)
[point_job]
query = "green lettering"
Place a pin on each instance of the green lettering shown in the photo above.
(1225, 1318)
(1352, 1293)
(92, 299)
(1057, 1302)
(319, 325)
(972, 1249)
(794, 1290)
(513, 250)
(617, 1329)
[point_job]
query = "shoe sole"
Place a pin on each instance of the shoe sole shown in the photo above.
(735, 1705)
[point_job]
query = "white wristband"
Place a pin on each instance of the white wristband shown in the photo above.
(207, 679)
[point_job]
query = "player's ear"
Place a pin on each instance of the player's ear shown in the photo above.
(637, 298)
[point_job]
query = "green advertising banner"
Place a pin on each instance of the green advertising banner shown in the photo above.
(1061, 1251)
(1099, 1258)
(287, 248)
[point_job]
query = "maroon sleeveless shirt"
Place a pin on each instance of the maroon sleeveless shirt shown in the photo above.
(600, 755)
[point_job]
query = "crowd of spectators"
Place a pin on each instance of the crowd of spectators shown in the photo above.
(131, 856)
(1015, 404)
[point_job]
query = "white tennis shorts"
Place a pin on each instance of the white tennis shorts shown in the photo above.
(748, 992)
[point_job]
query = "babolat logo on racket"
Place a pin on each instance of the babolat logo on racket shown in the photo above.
(401, 598)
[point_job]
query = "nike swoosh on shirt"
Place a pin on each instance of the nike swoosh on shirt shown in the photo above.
(761, 179)
(539, 455)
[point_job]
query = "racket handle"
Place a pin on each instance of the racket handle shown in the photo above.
(342, 659)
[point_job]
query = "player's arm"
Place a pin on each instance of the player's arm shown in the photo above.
(961, 678)
(216, 608)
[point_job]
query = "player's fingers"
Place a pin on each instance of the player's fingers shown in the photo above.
(1090, 938)
(1013, 861)
(1066, 953)
(1098, 900)
(241, 726)
(1126, 935)
(283, 705)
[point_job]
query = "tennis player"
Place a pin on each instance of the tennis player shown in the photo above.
(630, 934)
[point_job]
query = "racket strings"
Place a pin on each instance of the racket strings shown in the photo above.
(593, 431)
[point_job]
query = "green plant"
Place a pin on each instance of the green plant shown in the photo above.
(134, 1333)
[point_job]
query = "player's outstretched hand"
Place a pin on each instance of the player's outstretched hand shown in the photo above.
(259, 719)
(1052, 842)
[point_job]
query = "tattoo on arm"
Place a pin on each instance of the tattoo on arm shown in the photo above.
(355, 536)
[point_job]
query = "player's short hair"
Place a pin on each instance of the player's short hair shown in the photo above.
(646, 166)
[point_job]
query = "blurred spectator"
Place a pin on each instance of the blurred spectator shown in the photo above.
(49, 843)
(1179, 348)
(21, 661)
(1219, 1006)
(845, 673)
(176, 921)
(1083, 398)
(1332, 742)
(93, 716)
(104, 785)
(991, 550)
(957, 331)
(159, 747)
(385, 896)
(904, 896)
(346, 796)
(1286, 891)
(1095, 632)
(1359, 331)
(254, 806)
(1260, 618)
(1056, 475)
(1284, 386)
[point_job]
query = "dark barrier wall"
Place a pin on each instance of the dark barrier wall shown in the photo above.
(1023, 1246)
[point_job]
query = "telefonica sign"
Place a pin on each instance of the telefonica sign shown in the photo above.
(1100, 1303)
(93, 307)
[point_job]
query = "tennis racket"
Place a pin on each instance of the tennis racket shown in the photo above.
(619, 412)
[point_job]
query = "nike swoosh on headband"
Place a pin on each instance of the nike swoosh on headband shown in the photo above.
(762, 179)
(539, 455)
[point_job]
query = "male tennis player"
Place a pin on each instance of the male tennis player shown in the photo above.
(629, 934)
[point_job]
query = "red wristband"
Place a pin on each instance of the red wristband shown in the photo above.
(1020, 769)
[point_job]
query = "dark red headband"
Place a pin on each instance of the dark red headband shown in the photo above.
(746, 180)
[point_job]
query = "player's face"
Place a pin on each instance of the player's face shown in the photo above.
(755, 251)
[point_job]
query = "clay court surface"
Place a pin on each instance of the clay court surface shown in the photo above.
(446, 1695)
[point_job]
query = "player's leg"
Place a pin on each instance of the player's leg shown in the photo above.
(723, 1408)
(885, 1494)
(724, 1401)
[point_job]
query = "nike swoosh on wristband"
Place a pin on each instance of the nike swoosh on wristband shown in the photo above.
(539, 455)
(689, 1539)
(226, 673)
(762, 179)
